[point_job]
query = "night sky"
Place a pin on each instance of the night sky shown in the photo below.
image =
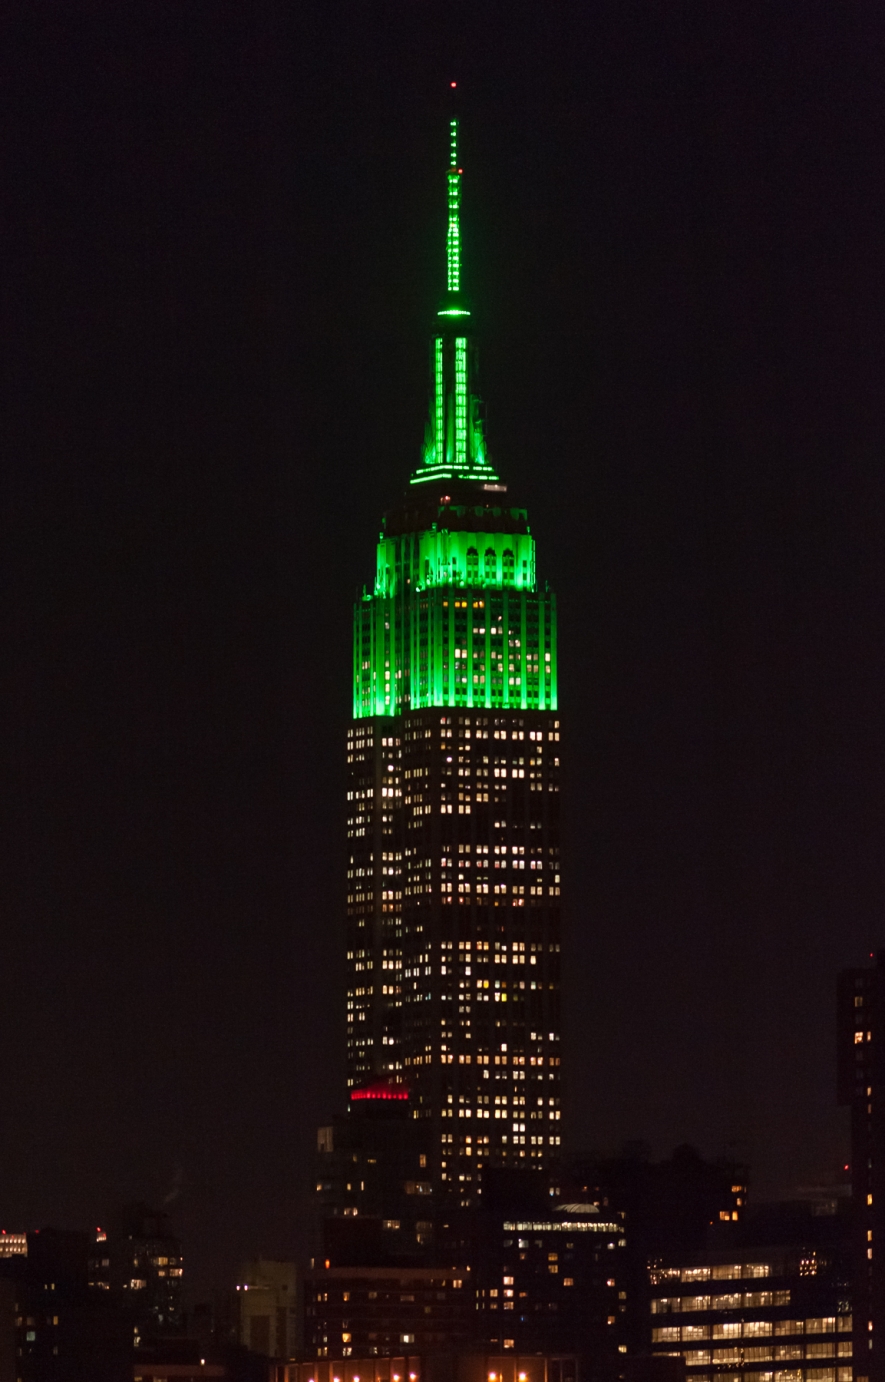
(221, 243)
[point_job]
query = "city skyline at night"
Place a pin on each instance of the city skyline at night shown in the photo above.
(224, 249)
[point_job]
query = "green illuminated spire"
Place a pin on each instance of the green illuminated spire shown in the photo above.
(454, 446)
(453, 230)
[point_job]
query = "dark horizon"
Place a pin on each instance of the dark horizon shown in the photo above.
(221, 249)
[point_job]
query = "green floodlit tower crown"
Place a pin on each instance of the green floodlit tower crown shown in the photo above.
(453, 541)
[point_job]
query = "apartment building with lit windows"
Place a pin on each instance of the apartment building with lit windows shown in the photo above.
(54, 1325)
(453, 756)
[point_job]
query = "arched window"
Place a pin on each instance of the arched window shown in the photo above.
(491, 564)
(472, 566)
(508, 564)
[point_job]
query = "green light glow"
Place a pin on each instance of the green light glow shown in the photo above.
(453, 312)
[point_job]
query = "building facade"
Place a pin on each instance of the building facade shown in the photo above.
(453, 756)
(269, 1308)
(553, 1282)
(378, 1311)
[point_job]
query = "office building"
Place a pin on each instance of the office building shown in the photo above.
(453, 756)
(776, 1311)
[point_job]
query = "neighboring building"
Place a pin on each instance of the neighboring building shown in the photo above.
(453, 932)
(376, 1311)
(533, 1274)
(861, 1066)
(138, 1261)
(269, 1308)
(776, 1312)
(372, 1187)
(553, 1282)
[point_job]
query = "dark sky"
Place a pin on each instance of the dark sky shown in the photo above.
(220, 247)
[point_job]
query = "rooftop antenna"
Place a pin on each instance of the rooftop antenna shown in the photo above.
(453, 228)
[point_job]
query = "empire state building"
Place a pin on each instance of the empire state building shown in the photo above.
(453, 757)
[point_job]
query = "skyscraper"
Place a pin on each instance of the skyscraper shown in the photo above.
(453, 929)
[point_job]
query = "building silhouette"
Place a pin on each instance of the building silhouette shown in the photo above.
(861, 1079)
(453, 756)
(372, 1192)
(138, 1262)
(54, 1325)
(670, 1208)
